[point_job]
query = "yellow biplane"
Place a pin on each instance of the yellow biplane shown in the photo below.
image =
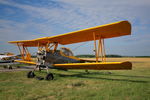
(49, 57)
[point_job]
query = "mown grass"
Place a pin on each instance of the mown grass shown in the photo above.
(14, 65)
(78, 85)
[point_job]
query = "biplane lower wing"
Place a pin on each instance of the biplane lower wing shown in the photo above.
(91, 66)
(26, 62)
(97, 66)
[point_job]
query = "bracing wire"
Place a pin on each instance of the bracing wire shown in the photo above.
(79, 46)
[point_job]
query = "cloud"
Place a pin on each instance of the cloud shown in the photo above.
(55, 17)
(80, 14)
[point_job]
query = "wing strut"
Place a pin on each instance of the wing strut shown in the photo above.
(100, 49)
(95, 47)
(24, 52)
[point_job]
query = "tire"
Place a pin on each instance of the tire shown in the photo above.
(30, 74)
(10, 67)
(49, 77)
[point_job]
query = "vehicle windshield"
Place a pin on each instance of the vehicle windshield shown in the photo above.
(66, 51)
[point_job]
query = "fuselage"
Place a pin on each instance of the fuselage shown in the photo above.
(6, 59)
(55, 57)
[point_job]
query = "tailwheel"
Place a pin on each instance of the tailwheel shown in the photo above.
(49, 76)
(30, 74)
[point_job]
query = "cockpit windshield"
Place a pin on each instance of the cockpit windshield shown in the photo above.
(66, 51)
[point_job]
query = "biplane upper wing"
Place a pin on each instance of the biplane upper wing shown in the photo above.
(104, 31)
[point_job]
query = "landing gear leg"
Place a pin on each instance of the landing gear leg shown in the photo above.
(47, 69)
(48, 77)
(37, 66)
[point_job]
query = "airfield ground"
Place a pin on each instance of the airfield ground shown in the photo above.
(77, 85)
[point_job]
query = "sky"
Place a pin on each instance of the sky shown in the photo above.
(30, 19)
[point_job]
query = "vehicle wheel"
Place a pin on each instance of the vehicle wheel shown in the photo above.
(10, 67)
(30, 74)
(49, 76)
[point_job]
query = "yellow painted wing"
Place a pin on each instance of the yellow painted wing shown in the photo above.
(26, 62)
(91, 66)
(104, 31)
(97, 66)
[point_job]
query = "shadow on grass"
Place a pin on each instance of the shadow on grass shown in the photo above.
(111, 74)
(83, 75)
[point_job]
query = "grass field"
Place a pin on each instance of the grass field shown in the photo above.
(77, 85)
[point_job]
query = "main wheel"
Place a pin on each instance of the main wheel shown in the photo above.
(30, 74)
(10, 67)
(49, 76)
